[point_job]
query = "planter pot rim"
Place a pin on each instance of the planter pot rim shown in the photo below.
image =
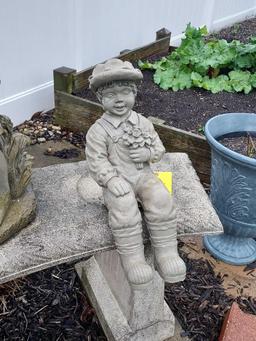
(230, 123)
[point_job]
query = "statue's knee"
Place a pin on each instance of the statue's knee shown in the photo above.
(127, 201)
(125, 212)
(160, 198)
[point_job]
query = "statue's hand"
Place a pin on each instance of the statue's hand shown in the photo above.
(118, 186)
(140, 154)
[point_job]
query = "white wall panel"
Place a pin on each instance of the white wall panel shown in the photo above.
(231, 11)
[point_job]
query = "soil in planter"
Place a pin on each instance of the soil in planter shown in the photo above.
(186, 109)
(191, 108)
(244, 144)
(242, 31)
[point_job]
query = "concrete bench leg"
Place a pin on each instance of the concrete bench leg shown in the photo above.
(125, 314)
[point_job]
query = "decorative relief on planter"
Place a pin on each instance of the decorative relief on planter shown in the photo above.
(230, 192)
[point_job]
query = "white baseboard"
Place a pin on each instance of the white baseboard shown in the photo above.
(231, 19)
(22, 106)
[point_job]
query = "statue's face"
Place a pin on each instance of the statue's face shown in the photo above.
(118, 99)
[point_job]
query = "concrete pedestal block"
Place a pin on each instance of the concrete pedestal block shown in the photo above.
(125, 314)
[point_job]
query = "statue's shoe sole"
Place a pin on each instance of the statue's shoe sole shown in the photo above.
(173, 279)
(169, 278)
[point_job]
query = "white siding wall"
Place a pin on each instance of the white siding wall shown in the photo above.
(38, 36)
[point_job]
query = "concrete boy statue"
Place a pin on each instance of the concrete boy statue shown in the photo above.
(119, 148)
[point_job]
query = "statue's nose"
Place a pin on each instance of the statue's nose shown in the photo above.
(119, 98)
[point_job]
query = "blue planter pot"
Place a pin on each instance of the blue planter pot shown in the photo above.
(233, 191)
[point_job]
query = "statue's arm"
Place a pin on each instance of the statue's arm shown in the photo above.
(157, 150)
(97, 156)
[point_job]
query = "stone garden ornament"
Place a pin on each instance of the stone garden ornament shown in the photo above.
(119, 148)
(17, 204)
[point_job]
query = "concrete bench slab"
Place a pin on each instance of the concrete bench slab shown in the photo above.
(71, 220)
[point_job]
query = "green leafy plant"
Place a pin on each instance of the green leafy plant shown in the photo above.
(201, 130)
(214, 65)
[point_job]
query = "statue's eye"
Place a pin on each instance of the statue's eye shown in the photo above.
(126, 91)
(109, 95)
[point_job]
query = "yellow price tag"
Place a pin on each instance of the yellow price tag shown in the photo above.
(166, 178)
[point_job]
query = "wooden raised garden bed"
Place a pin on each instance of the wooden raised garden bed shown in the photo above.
(78, 114)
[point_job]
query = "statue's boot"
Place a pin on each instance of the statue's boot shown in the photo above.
(167, 260)
(130, 247)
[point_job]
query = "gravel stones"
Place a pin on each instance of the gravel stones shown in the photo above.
(40, 128)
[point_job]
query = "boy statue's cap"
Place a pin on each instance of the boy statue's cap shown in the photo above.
(113, 70)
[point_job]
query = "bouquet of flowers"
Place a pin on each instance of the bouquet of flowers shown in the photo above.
(135, 138)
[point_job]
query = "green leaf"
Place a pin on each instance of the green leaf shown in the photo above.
(245, 61)
(164, 78)
(240, 81)
(253, 40)
(204, 64)
(217, 84)
(196, 79)
(145, 65)
(253, 80)
(182, 80)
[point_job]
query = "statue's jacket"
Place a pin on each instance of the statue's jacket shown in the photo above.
(108, 144)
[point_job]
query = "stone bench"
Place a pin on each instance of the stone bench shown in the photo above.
(71, 220)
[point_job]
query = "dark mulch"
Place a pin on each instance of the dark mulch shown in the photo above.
(191, 108)
(51, 305)
(200, 302)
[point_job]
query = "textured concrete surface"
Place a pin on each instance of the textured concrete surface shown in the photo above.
(71, 219)
(145, 317)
